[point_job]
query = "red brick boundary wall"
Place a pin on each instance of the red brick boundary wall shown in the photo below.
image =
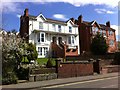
(74, 69)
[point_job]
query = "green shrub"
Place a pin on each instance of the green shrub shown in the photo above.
(50, 63)
(32, 53)
(23, 73)
(10, 78)
(99, 45)
(117, 58)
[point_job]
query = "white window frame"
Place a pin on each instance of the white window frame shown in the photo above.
(59, 28)
(39, 37)
(54, 27)
(42, 37)
(72, 40)
(40, 25)
(42, 51)
(70, 29)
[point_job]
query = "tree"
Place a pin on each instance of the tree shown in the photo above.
(12, 54)
(32, 53)
(118, 45)
(99, 45)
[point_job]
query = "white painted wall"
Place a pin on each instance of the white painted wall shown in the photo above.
(48, 29)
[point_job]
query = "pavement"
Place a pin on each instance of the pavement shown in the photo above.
(40, 84)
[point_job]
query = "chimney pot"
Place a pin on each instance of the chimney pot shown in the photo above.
(108, 24)
(26, 12)
(80, 19)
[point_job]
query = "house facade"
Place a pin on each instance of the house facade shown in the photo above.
(52, 38)
(87, 31)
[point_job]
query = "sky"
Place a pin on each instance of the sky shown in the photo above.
(99, 10)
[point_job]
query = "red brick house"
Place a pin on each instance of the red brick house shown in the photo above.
(87, 30)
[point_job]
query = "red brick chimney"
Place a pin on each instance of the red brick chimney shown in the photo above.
(26, 12)
(108, 24)
(80, 19)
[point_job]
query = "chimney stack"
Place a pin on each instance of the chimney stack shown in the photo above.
(26, 12)
(80, 19)
(108, 24)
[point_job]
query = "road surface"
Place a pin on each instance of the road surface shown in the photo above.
(111, 82)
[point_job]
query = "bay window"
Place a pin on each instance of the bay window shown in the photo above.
(71, 40)
(41, 37)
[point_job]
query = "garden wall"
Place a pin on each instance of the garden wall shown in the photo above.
(74, 69)
(41, 74)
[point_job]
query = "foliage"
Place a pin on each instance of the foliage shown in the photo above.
(50, 63)
(119, 45)
(117, 58)
(12, 54)
(32, 53)
(9, 78)
(23, 73)
(42, 61)
(99, 45)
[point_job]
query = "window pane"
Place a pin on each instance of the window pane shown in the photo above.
(42, 37)
(72, 39)
(38, 37)
(53, 26)
(110, 32)
(69, 40)
(45, 51)
(70, 29)
(59, 28)
(40, 25)
(111, 42)
(40, 51)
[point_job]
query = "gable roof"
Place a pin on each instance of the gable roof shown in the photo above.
(31, 17)
(104, 27)
(40, 15)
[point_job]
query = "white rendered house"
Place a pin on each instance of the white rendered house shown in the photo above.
(52, 38)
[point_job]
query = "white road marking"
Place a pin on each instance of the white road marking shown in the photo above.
(55, 86)
(109, 86)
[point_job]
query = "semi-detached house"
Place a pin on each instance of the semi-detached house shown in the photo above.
(52, 38)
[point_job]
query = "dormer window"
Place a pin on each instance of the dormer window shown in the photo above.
(59, 28)
(40, 25)
(70, 29)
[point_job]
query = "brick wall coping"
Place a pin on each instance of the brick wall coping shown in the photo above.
(76, 62)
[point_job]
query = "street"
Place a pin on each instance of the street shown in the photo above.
(97, 83)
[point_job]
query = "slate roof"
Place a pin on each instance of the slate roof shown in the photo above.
(31, 17)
